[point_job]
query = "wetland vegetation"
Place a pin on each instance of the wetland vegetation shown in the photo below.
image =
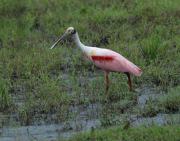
(41, 87)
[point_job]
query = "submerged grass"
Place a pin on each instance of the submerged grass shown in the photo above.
(165, 103)
(171, 102)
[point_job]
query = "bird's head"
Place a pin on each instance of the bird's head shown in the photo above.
(70, 31)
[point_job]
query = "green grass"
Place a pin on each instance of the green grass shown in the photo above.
(5, 98)
(154, 133)
(50, 81)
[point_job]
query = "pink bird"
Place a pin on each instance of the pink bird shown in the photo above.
(106, 59)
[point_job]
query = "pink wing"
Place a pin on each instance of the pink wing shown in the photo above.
(111, 61)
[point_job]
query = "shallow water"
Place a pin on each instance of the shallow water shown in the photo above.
(148, 93)
(46, 132)
(159, 119)
(86, 117)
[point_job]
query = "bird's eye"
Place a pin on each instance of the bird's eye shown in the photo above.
(73, 31)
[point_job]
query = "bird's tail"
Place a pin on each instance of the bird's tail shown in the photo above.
(135, 70)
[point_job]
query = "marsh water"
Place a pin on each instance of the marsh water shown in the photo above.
(86, 117)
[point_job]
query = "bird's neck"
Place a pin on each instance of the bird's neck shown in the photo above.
(78, 42)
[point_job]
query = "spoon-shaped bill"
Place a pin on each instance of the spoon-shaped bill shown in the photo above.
(60, 39)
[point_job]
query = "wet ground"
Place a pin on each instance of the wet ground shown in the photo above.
(87, 117)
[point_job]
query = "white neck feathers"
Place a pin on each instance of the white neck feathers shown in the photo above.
(78, 42)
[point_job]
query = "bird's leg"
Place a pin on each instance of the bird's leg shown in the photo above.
(129, 80)
(106, 81)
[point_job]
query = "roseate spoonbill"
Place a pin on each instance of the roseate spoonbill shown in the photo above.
(106, 59)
